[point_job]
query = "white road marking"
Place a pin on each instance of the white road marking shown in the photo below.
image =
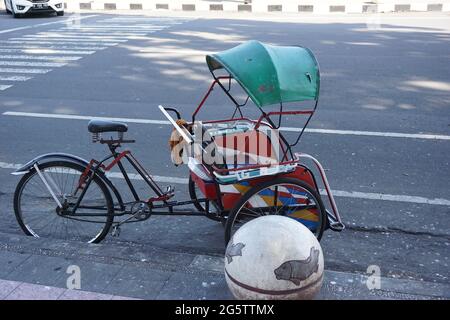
(98, 35)
(336, 193)
(40, 47)
(47, 23)
(32, 64)
(4, 87)
(47, 38)
(45, 51)
(373, 133)
(164, 122)
(83, 38)
(108, 33)
(21, 70)
(100, 29)
(57, 41)
(136, 27)
(14, 78)
(53, 58)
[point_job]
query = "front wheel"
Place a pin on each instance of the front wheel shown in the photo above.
(60, 13)
(194, 191)
(6, 8)
(281, 196)
(39, 215)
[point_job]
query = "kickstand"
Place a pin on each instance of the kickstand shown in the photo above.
(115, 231)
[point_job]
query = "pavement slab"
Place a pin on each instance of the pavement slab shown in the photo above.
(197, 277)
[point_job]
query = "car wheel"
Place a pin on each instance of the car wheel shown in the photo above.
(61, 13)
(7, 10)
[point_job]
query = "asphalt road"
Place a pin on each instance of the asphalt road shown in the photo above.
(394, 78)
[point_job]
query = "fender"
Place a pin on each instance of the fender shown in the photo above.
(26, 168)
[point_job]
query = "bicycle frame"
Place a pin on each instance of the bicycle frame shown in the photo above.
(95, 167)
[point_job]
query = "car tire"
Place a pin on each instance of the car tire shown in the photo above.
(16, 15)
(60, 14)
(6, 8)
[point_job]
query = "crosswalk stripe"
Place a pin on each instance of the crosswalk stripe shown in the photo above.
(14, 78)
(32, 64)
(56, 41)
(105, 29)
(135, 26)
(97, 34)
(45, 51)
(4, 87)
(47, 38)
(82, 37)
(27, 57)
(21, 70)
(24, 46)
(80, 29)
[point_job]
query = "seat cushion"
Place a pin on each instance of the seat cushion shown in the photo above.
(97, 126)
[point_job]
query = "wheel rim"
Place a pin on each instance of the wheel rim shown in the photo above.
(287, 199)
(40, 216)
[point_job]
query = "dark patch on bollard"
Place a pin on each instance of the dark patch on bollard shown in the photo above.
(188, 7)
(305, 8)
(109, 6)
(216, 7)
(402, 8)
(370, 8)
(135, 6)
(245, 7)
(275, 8)
(434, 7)
(337, 8)
(85, 6)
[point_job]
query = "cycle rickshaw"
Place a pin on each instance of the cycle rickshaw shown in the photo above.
(64, 196)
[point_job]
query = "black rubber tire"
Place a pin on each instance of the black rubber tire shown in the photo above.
(197, 205)
(193, 195)
(7, 11)
(258, 188)
(16, 15)
(60, 14)
(74, 166)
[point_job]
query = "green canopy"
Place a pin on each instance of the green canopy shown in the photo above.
(270, 74)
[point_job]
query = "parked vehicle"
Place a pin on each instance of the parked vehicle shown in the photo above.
(19, 8)
(64, 196)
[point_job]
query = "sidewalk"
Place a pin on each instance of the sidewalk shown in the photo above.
(37, 269)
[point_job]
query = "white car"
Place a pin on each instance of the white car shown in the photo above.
(20, 7)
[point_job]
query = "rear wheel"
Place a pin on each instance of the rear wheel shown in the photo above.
(282, 196)
(39, 215)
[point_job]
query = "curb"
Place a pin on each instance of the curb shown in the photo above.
(264, 6)
(182, 271)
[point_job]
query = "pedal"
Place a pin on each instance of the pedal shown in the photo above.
(115, 231)
(170, 191)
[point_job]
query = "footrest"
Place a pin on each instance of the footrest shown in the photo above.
(333, 224)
